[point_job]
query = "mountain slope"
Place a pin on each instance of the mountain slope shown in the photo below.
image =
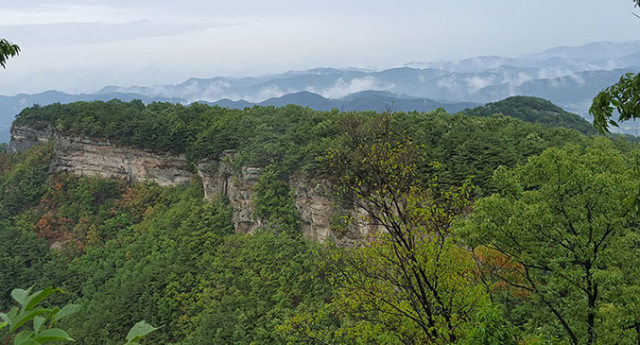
(361, 101)
(534, 110)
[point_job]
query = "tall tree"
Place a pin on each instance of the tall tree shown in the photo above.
(410, 277)
(564, 227)
(7, 50)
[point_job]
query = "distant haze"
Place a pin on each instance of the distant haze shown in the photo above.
(81, 46)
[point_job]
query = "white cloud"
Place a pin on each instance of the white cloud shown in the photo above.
(158, 41)
(265, 93)
(476, 83)
(449, 83)
(65, 13)
(343, 87)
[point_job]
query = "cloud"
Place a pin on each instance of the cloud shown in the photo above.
(476, 83)
(557, 75)
(449, 83)
(77, 33)
(265, 93)
(343, 87)
(216, 91)
(32, 13)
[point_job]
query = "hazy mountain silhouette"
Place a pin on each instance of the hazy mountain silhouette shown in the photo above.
(568, 76)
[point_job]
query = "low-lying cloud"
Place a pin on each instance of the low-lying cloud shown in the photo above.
(343, 87)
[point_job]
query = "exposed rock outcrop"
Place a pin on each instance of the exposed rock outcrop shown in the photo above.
(22, 137)
(90, 156)
(219, 178)
(313, 202)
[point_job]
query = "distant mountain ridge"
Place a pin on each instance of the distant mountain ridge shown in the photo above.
(366, 100)
(568, 76)
(361, 101)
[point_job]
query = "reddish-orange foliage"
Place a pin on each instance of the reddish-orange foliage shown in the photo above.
(492, 263)
(54, 229)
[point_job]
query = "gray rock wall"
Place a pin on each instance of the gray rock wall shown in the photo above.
(89, 156)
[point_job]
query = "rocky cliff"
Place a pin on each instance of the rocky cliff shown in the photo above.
(319, 216)
(88, 156)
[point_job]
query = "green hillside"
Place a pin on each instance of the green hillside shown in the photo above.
(495, 230)
(293, 137)
(534, 110)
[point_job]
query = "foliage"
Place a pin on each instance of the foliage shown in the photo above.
(179, 265)
(22, 179)
(137, 251)
(623, 96)
(44, 319)
(7, 50)
(471, 147)
(254, 285)
(535, 110)
(132, 251)
(566, 241)
(411, 279)
(293, 138)
(274, 202)
(491, 329)
(25, 260)
(139, 331)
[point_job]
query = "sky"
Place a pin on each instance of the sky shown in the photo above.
(82, 46)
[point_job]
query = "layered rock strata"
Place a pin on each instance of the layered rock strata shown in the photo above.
(88, 156)
(320, 217)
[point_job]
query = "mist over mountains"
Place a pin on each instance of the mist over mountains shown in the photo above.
(567, 76)
(364, 100)
(564, 75)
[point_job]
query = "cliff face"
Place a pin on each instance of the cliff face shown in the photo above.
(22, 138)
(88, 156)
(310, 198)
(219, 178)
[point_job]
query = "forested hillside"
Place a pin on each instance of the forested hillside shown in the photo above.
(536, 110)
(495, 230)
(293, 138)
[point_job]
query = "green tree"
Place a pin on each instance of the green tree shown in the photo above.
(623, 96)
(535, 110)
(274, 202)
(564, 229)
(410, 279)
(7, 50)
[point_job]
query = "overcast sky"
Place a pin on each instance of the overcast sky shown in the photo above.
(79, 46)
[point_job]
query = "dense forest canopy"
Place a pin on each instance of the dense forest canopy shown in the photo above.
(293, 137)
(536, 110)
(494, 230)
(464, 201)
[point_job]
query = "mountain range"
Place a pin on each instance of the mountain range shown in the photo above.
(360, 101)
(568, 76)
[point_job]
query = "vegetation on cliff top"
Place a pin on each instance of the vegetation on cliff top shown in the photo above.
(128, 251)
(293, 138)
